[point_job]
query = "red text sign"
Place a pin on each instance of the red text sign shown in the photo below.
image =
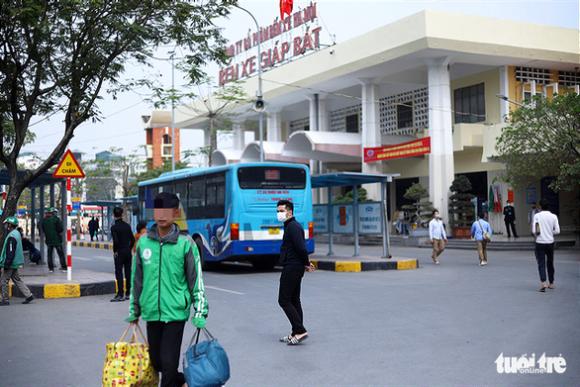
(407, 149)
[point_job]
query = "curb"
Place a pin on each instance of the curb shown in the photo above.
(358, 266)
(93, 245)
(68, 290)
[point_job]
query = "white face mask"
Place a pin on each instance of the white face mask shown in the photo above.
(281, 216)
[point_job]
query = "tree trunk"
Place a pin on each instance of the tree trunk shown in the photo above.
(212, 140)
(14, 192)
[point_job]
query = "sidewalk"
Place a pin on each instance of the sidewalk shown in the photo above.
(43, 284)
(341, 261)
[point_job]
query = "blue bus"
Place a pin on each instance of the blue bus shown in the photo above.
(230, 210)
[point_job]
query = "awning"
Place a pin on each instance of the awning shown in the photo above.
(342, 179)
(225, 156)
(273, 151)
(324, 146)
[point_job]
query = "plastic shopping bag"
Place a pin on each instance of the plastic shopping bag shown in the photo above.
(205, 363)
(127, 363)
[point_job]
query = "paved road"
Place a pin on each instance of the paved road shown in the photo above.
(439, 325)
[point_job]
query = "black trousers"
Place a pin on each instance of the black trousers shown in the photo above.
(123, 263)
(545, 257)
(508, 224)
(289, 297)
(60, 257)
(164, 350)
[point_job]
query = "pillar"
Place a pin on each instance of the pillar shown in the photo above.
(274, 126)
(238, 134)
(441, 169)
(371, 133)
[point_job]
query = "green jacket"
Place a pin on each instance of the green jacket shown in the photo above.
(52, 228)
(14, 257)
(166, 278)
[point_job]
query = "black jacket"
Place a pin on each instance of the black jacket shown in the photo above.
(293, 250)
(123, 238)
(509, 214)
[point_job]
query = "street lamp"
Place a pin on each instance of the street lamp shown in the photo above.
(173, 111)
(505, 98)
(259, 105)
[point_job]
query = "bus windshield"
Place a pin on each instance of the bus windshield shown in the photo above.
(271, 178)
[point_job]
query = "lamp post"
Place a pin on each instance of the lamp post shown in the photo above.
(259, 105)
(172, 111)
(505, 98)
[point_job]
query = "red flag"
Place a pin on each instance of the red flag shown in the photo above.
(286, 8)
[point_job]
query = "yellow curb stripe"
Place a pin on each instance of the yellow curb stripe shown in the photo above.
(407, 264)
(347, 266)
(62, 290)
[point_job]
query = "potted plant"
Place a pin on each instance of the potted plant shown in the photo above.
(420, 211)
(461, 211)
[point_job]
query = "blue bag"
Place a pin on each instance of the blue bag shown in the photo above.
(205, 363)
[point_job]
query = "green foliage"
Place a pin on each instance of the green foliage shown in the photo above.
(543, 139)
(156, 172)
(421, 209)
(57, 55)
(461, 211)
(347, 197)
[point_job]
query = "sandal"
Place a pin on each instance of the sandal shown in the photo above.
(551, 286)
(285, 339)
(295, 341)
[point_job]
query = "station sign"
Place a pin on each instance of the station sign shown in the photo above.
(281, 41)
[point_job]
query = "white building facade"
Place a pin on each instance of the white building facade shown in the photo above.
(431, 74)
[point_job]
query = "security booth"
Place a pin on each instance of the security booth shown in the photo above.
(106, 207)
(38, 195)
(131, 208)
(356, 218)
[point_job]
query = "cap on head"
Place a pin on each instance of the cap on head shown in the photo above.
(166, 200)
(11, 220)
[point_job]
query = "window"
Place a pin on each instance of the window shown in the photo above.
(352, 123)
(470, 104)
(196, 201)
(168, 188)
(405, 115)
(166, 139)
(181, 192)
(215, 200)
(271, 178)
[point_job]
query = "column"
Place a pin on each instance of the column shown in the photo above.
(441, 169)
(504, 109)
(238, 134)
(274, 126)
(371, 133)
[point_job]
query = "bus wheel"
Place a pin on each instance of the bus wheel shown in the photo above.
(197, 241)
(264, 263)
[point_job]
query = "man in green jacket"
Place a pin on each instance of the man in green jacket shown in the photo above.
(52, 229)
(11, 258)
(166, 281)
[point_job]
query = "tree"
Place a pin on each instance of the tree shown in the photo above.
(154, 173)
(543, 139)
(57, 56)
(348, 197)
(422, 208)
(461, 211)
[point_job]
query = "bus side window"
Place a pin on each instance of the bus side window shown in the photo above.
(196, 201)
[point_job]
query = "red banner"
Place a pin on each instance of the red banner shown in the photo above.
(407, 149)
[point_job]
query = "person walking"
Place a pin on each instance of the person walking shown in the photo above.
(294, 260)
(545, 226)
(123, 242)
(92, 228)
(141, 230)
(166, 282)
(481, 232)
(11, 258)
(52, 229)
(509, 218)
(437, 235)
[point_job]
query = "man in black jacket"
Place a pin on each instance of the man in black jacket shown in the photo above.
(509, 213)
(294, 260)
(123, 242)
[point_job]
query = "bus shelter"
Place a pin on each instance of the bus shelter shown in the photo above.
(37, 195)
(107, 215)
(334, 211)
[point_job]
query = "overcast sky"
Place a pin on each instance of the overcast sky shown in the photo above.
(122, 125)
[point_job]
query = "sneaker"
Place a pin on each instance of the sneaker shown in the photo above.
(286, 339)
(28, 300)
(127, 298)
(2, 303)
(117, 298)
(50, 270)
(436, 262)
(64, 270)
(483, 263)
